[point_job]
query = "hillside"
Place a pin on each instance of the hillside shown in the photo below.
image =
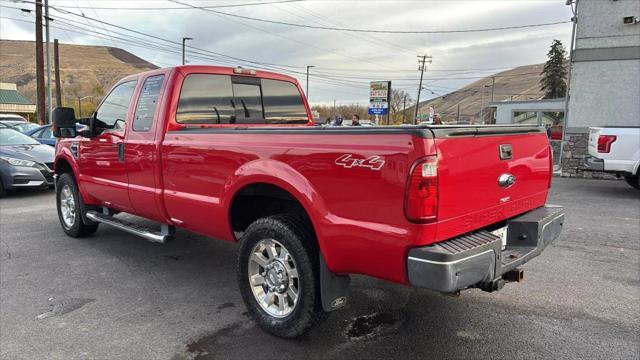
(84, 70)
(521, 83)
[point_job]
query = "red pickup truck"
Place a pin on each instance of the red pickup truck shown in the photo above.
(232, 154)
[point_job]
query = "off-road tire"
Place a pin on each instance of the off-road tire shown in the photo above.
(296, 236)
(633, 180)
(79, 227)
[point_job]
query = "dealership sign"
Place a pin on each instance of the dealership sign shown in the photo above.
(379, 97)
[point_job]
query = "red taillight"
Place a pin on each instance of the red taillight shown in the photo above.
(421, 204)
(604, 143)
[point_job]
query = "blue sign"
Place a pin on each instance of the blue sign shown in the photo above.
(378, 111)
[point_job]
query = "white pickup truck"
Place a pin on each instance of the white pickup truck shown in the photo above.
(615, 150)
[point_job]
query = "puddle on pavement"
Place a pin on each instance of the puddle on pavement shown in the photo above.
(372, 325)
(200, 348)
(62, 307)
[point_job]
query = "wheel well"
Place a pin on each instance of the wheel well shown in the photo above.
(63, 166)
(259, 200)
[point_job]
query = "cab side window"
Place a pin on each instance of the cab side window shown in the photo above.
(112, 113)
(147, 103)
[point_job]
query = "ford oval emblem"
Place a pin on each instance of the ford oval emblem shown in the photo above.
(506, 180)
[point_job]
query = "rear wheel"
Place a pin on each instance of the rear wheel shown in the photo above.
(278, 276)
(633, 180)
(68, 202)
(3, 192)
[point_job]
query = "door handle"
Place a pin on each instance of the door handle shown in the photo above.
(121, 151)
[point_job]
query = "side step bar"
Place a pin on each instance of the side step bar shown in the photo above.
(166, 233)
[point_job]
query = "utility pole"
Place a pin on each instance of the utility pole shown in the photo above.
(334, 107)
(49, 90)
(56, 68)
(404, 109)
(184, 39)
(493, 85)
(422, 62)
(574, 20)
(41, 106)
(307, 89)
(458, 114)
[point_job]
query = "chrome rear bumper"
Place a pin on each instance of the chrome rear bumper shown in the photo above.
(477, 259)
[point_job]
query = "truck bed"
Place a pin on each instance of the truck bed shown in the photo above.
(358, 212)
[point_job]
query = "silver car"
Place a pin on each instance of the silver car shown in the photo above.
(24, 162)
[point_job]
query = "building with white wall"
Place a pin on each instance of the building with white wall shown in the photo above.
(604, 89)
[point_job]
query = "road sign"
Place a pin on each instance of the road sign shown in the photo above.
(379, 97)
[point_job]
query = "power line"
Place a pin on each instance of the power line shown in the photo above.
(167, 8)
(318, 27)
(284, 37)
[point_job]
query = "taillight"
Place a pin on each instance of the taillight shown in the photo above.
(604, 143)
(421, 204)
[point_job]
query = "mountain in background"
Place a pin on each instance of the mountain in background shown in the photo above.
(84, 70)
(521, 83)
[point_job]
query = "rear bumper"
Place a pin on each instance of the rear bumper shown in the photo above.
(593, 163)
(477, 259)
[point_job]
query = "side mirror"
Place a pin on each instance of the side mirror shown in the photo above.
(64, 122)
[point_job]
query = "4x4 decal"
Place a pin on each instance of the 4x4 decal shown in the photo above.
(372, 162)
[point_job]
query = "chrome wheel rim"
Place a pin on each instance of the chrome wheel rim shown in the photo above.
(67, 206)
(273, 278)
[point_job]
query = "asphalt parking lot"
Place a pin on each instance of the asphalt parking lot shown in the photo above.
(116, 296)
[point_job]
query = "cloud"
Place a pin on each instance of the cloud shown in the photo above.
(366, 56)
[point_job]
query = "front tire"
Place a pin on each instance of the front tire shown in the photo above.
(633, 180)
(278, 276)
(68, 202)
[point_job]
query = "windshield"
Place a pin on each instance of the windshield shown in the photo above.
(12, 137)
(23, 127)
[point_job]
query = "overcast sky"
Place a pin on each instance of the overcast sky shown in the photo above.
(344, 62)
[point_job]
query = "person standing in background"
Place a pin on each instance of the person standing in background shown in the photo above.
(355, 120)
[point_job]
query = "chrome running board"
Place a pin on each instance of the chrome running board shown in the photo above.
(166, 233)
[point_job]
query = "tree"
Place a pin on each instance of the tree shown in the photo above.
(554, 73)
(398, 104)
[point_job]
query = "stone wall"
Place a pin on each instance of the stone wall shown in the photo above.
(574, 151)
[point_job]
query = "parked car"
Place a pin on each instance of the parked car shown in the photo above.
(43, 134)
(21, 126)
(615, 150)
(11, 117)
(24, 162)
(230, 154)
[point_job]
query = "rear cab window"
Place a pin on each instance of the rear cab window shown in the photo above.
(228, 99)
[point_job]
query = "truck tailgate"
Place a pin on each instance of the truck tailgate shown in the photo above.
(475, 175)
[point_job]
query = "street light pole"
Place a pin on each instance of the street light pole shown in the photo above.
(184, 39)
(307, 89)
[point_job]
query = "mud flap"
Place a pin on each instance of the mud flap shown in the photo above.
(334, 289)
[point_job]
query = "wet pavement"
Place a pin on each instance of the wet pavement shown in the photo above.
(116, 296)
